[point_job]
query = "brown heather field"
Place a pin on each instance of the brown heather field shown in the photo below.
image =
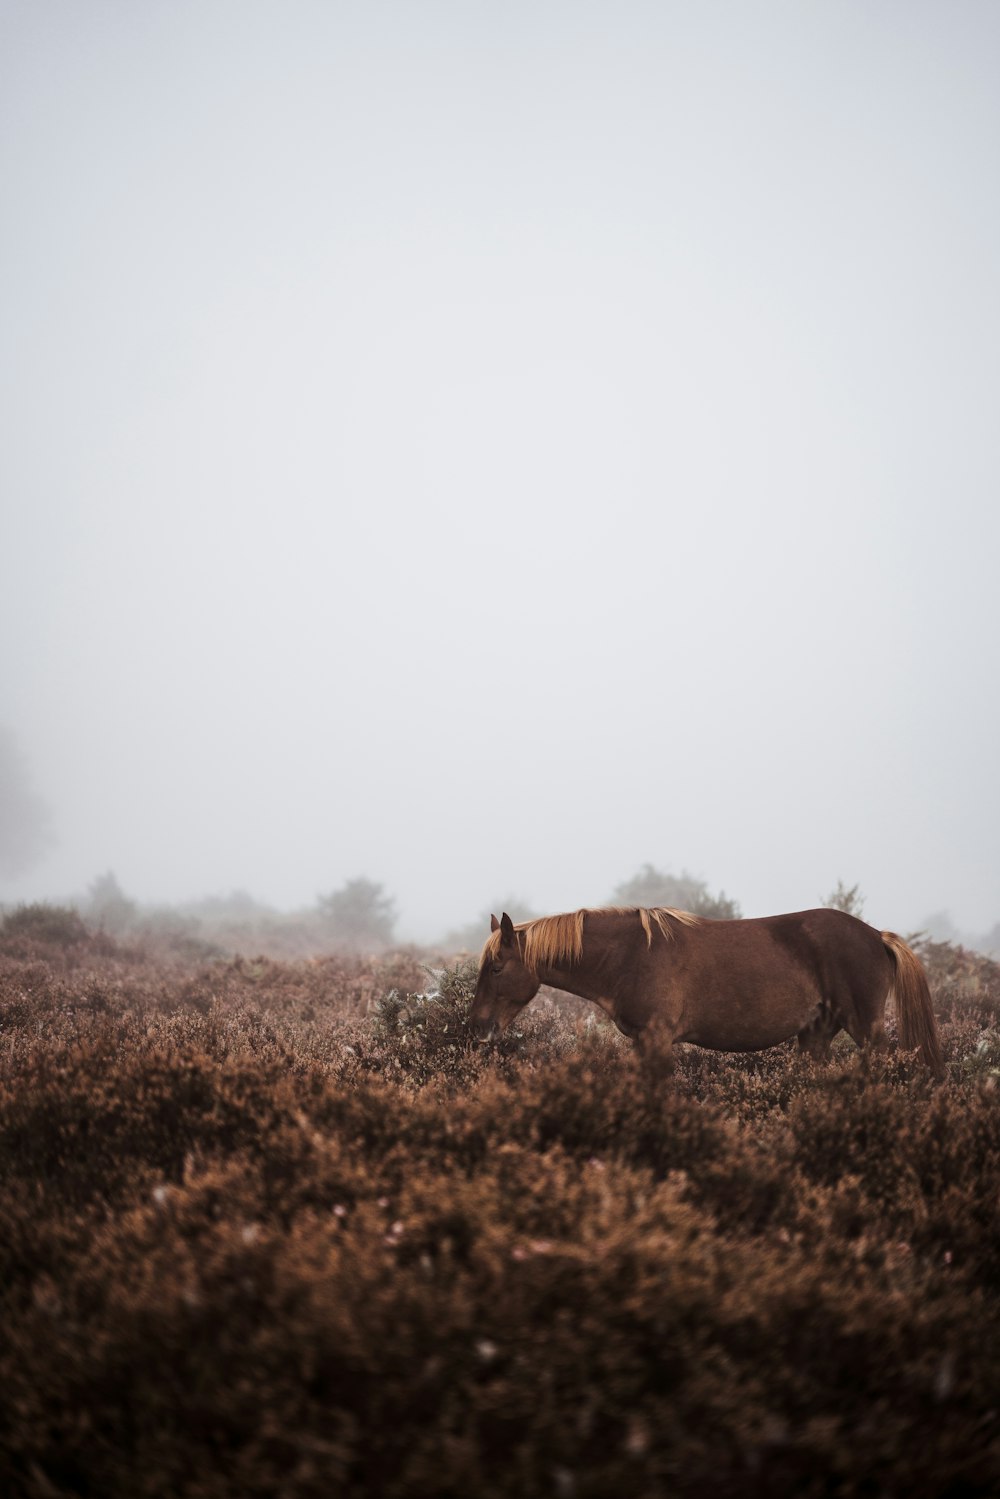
(264, 1232)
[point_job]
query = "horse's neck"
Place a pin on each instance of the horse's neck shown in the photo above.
(602, 967)
(585, 981)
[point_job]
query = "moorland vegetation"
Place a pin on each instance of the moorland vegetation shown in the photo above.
(275, 1227)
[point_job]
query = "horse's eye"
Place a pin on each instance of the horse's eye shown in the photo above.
(496, 967)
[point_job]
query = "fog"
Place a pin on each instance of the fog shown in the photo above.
(487, 447)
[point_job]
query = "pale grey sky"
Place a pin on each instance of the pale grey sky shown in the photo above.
(489, 446)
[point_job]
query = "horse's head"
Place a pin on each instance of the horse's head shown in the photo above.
(505, 984)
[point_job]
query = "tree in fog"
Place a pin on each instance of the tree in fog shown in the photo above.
(940, 927)
(107, 905)
(846, 898)
(359, 914)
(990, 944)
(652, 887)
(471, 936)
(24, 818)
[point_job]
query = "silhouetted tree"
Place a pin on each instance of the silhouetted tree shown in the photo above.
(940, 927)
(847, 899)
(990, 944)
(651, 887)
(24, 818)
(108, 906)
(359, 914)
(471, 936)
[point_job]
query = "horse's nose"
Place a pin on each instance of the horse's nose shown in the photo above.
(485, 1029)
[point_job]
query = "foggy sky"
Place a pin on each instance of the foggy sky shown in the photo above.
(489, 446)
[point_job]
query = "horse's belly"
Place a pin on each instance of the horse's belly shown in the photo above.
(747, 1022)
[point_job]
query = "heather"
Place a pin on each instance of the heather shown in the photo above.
(281, 1228)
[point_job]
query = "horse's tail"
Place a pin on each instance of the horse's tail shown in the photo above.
(914, 1011)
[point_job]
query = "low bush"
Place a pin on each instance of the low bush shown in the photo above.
(51, 932)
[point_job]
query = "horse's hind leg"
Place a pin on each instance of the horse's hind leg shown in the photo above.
(864, 1023)
(815, 1038)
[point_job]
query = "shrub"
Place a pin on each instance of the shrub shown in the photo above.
(651, 887)
(45, 925)
(275, 1228)
(359, 915)
(55, 934)
(846, 898)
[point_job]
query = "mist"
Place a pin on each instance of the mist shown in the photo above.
(487, 448)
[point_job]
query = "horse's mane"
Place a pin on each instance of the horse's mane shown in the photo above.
(551, 940)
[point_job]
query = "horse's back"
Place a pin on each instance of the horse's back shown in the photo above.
(751, 983)
(823, 935)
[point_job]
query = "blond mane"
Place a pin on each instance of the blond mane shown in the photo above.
(550, 941)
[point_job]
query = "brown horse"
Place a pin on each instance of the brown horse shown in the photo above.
(667, 976)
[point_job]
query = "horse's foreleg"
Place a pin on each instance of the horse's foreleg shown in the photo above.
(654, 1046)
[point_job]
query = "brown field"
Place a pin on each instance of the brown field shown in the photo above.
(264, 1231)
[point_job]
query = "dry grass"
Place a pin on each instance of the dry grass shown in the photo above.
(283, 1229)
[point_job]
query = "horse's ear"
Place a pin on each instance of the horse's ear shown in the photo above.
(494, 924)
(506, 930)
